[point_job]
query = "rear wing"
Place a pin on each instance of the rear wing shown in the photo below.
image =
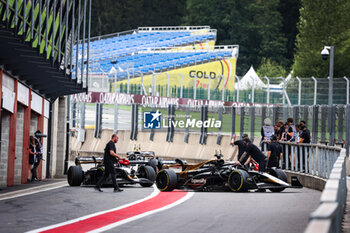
(88, 160)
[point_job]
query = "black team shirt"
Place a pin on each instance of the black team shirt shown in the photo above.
(241, 150)
(256, 154)
(108, 158)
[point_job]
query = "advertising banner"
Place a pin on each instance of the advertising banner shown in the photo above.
(219, 73)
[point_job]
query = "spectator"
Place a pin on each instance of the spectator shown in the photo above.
(266, 132)
(291, 130)
(305, 136)
(276, 129)
(281, 129)
(39, 150)
(32, 157)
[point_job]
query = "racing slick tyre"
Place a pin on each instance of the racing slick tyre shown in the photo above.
(166, 180)
(237, 181)
(75, 176)
(280, 175)
(148, 173)
(153, 163)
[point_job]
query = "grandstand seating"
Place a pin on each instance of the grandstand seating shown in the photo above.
(138, 52)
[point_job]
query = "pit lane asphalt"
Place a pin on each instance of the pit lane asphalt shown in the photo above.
(204, 212)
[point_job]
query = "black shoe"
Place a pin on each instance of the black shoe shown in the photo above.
(98, 189)
(118, 190)
(29, 180)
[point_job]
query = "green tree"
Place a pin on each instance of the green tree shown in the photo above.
(255, 25)
(269, 68)
(323, 22)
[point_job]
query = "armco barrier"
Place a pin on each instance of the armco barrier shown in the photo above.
(328, 216)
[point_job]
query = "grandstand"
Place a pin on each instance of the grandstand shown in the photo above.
(150, 50)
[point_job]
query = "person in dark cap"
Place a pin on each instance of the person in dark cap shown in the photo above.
(253, 152)
(274, 153)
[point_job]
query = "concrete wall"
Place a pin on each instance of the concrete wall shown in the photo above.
(5, 133)
(61, 136)
(176, 149)
(19, 144)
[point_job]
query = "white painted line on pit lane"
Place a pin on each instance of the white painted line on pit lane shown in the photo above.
(33, 190)
(153, 194)
(111, 226)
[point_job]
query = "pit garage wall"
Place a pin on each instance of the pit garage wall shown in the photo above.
(176, 149)
(22, 113)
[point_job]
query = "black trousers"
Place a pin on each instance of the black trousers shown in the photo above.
(262, 165)
(109, 169)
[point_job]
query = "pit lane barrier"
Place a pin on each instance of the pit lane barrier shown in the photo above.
(324, 162)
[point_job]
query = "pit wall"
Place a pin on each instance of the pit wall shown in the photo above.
(176, 149)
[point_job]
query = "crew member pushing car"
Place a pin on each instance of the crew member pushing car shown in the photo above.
(241, 146)
(253, 152)
(109, 159)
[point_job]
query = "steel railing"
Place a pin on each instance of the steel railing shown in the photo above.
(327, 162)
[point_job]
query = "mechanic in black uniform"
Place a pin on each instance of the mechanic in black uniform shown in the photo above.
(274, 152)
(241, 146)
(109, 159)
(252, 151)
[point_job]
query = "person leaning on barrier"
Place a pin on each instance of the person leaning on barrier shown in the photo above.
(109, 159)
(253, 152)
(274, 153)
(305, 136)
(266, 132)
(280, 132)
(241, 146)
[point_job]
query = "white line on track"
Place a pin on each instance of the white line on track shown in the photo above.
(108, 227)
(33, 190)
(111, 226)
(153, 194)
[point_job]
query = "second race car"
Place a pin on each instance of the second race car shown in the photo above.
(217, 174)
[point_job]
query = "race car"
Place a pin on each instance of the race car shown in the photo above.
(146, 156)
(127, 172)
(217, 174)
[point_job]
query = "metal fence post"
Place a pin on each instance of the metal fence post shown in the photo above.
(340, 123)
(305, 114)
(296, 114)
(82, 115)
(187, 132)
(115, 126)
(98, 120)
(299, 91)
(323, 123)
(252, 122)
(314, 123)
(263, 115)
(219, 137)
(331, 124)
(347, 129)
(233, 121)
(242, 122)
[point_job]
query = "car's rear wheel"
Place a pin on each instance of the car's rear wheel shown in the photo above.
(278, 173)
(75, 175)
(148, 173)
(166, 180)
(153, 163)
(237, 181)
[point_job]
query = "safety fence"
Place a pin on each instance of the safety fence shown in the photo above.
(327, 125)
(329, 214)
(312, 159)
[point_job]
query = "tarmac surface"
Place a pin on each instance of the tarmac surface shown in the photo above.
(287, 211)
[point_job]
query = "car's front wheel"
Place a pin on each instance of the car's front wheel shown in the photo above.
(166, 180)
